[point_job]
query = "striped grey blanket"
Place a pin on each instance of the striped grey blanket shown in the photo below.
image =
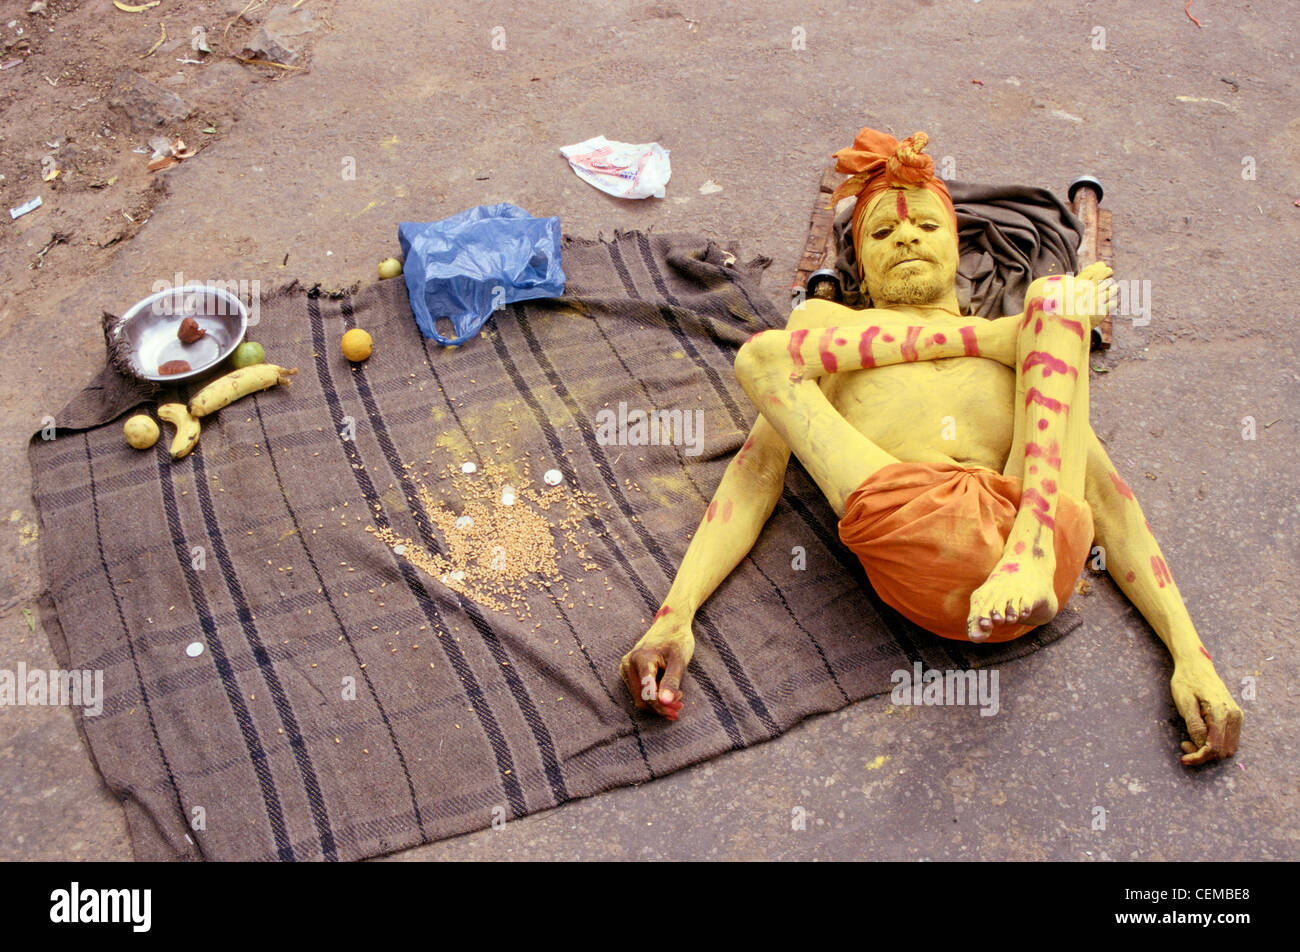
(283, 681)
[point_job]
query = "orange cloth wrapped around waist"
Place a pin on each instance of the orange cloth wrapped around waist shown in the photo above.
(929, 535)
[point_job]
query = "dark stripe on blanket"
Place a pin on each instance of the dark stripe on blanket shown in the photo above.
(455, 657)
(126, 634)
(718, 705)
(221, 661)
(507, 664)
(343, 632)
(297, 743)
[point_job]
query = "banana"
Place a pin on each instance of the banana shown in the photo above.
(187, 427)
(238, 383)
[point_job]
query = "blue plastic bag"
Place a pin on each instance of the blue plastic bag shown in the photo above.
(466, 266)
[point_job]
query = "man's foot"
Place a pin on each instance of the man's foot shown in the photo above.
(1015, 594)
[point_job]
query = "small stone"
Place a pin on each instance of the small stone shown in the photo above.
(194, 649)
(468, 467)
(553, 477)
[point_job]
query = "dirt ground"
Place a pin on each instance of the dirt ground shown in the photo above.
(398, 112)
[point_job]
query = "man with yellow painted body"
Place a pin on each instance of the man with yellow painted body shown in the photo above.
(956, 450)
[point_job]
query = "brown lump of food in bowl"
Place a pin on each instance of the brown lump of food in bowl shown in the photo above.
(190, 331)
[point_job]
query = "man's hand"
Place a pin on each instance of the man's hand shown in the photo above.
(1213, 717)
(653, 669)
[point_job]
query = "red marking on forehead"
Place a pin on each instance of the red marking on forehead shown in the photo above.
(900, 204)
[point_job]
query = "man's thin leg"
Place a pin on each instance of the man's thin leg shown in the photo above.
(1049, 453)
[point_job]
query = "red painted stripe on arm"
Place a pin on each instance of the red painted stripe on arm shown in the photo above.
(864, 346)
(909, 345)
(1161, 571)
(829, 362)
(968, 341)
(796, 348)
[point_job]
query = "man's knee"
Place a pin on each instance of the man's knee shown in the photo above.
(758, 359)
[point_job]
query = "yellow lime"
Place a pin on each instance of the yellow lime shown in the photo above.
(141, 431)
(356, 345)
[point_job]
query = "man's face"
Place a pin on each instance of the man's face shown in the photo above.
(908, 250)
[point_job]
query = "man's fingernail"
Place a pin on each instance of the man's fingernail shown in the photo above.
(665, 695)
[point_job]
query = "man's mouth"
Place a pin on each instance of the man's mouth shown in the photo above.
(899, 264)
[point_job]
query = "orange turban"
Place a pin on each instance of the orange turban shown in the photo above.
(876, 162)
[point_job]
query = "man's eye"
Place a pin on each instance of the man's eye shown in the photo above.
(880, 233)
(930, 226)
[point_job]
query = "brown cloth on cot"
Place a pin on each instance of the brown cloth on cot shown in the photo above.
(490, 717)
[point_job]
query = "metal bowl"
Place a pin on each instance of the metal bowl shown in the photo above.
(149, 329)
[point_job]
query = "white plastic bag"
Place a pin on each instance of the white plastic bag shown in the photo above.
(620, 168)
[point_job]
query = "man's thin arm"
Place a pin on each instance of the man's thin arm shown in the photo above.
(1133, 558)
(730, 526)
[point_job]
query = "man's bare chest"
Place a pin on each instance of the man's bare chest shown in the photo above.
(958, 409)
